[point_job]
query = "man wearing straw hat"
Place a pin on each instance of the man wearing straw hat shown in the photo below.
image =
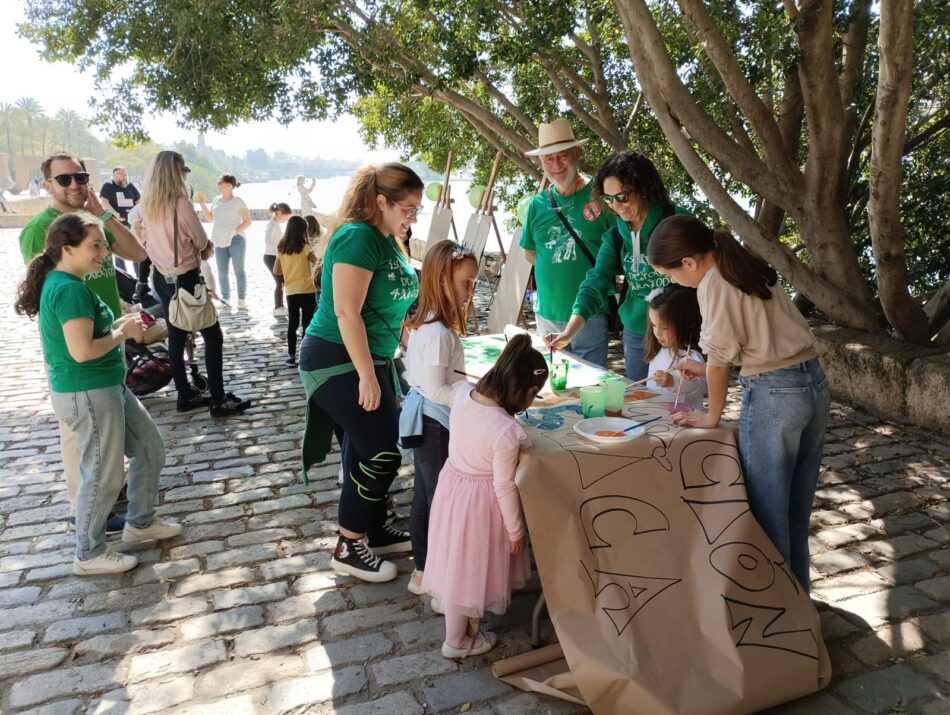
(557, 220)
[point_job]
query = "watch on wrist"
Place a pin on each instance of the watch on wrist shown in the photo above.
(106, 216)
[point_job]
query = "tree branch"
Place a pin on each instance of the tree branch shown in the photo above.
(655, 71)
(523, 119)
(724, 59)
(896, 44)
(926, 135)
(814, 31)
(853, 50)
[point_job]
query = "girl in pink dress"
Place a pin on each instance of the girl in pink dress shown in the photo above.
(477, 531)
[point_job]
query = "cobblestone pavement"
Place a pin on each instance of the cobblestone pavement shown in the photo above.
(241, 614)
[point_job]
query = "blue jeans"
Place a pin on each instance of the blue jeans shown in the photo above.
(110, 423)
(781, 438)
(589, 344)
(233, 253)
(634, 364)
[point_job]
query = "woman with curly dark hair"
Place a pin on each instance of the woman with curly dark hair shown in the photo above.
(628, 184)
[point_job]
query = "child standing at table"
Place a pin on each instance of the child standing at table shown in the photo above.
(748, 320)
(477, 532)
(295, 263)
(434, 362)
(673, 335)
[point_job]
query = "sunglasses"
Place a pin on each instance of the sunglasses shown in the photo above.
(187, 170)
(411, 211)
(64, 180)
(619, 198)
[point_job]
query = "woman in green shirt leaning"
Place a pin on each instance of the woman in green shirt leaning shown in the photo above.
(629, 184)
(346, 361)
(82, 348)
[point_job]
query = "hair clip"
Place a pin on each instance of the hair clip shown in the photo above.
(654, 293)
(540, 371)
(461, 251)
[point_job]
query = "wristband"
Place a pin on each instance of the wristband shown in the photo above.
(106, 216)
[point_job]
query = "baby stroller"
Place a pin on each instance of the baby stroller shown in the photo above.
(149, 367)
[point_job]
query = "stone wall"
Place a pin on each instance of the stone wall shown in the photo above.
(900, 381)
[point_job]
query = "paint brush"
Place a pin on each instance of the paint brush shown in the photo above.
(679, 387)
(640, 424)
(638, 382)
(459, 372)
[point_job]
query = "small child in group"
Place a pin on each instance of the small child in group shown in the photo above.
(675, 325)
(434, 362)
(318, 238)
(295, 263)
(749, 320)
(279, 214)
(477, 531)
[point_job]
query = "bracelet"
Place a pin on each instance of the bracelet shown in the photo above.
(106, 216)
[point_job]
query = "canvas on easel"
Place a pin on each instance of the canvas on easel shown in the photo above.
(442, 222)
(508, 301)
(480, 225)
(507, 305)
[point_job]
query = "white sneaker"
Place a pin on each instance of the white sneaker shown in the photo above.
(415, 583)
(279, 312)
(436, 605)
(157, 530)
(242, 304)
(339, 476)
(108, 561)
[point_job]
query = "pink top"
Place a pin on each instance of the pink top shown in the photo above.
(161, 235)
(486, 441)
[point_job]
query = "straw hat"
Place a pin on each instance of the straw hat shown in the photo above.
(554, 137)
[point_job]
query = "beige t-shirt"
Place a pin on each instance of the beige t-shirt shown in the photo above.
(759, 335)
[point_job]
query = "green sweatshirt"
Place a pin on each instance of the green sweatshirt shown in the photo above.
(641, 279)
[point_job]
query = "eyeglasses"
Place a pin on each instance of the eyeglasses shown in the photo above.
(619, 198)
(64, 180)
(187, 170)
(411, 211)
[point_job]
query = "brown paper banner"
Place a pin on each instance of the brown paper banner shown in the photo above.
(666, 595)
(542, 671)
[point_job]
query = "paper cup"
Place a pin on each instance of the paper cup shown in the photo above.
(559, 374)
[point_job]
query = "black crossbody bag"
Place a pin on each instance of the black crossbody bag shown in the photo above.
(613, 305)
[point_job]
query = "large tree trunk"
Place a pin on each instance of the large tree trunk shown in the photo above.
(896, 44)
(836, 288)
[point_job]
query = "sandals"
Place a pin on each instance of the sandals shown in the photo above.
(482, 642)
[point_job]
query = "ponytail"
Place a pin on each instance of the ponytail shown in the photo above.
(30, 290)
(519, 370)
(745, 271)
(679, 237)
(67, 230)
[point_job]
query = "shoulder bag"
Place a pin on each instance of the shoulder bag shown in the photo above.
(613, 307)
(190, 311)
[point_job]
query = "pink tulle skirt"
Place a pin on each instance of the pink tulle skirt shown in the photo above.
(469, 565)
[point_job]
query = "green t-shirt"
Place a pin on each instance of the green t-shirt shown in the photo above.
(559, 265)
(33, 242)
(641, 279)
(392, 289)
(65, 298)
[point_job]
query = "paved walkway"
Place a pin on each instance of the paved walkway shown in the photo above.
(241, 615)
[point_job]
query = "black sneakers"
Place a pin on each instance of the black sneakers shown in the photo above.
(232, 405)
(353, 557)
(290, 360)
(389, 540)
(192, 400)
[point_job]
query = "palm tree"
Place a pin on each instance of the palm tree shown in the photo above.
(7, 117)
(32, 111)
(69, 119)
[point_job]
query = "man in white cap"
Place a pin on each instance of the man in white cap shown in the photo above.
(557, 220)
